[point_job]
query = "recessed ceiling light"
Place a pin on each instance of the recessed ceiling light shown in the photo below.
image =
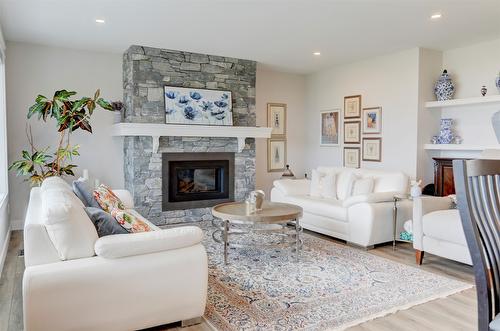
(436, 16)
(317, 53)
(100, 21)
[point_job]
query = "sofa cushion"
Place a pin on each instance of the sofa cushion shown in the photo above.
(68, 226)
(292, 186)
(315, 183)
(323, 185)
(80, 188)
(132, 221)
(345, 181)
(362, 186)
(444, 225)
(331, 208)
(107, 199)
(104, 222)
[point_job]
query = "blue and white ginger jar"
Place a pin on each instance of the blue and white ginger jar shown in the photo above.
(446, 135)
(444, 88)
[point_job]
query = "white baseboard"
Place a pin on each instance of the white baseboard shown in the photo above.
(16, 225)
(5, 248)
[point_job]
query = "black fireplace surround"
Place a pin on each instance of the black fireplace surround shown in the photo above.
(196, 180)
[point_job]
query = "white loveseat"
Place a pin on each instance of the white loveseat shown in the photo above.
(364, 220)
(117, 282)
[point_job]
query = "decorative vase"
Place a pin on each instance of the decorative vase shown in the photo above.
(446, 135)
(444, 88)
(497, 82)
(484, 90)
(495, 120)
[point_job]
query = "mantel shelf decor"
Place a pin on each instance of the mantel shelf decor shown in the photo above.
(155, 131)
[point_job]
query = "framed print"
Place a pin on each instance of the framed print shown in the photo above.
(372, 120)
(372, 149)
(276, 155)
(330, 128)
(352, 106)
(276, 119)
(352, 132)
(197, 106)
(351, 157)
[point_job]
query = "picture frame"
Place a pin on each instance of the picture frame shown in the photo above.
(352, 132)
(352, 106)
(276, 119)
(194, 106)
(276, 155)
(372, 149)
(352, 157)
(372, 120)
(330, 128)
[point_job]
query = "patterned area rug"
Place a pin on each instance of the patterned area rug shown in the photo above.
(332, 286)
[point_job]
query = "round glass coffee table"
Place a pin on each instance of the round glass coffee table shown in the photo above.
(281, 219)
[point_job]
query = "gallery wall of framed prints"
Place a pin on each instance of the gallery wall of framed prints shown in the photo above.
(276, 145)
(362, 132)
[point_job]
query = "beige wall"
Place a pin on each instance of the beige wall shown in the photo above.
(277, 87)
(33, 70)
(390, 82)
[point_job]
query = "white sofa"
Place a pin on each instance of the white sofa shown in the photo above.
(127, 281)
(363, 220)
(437, 229)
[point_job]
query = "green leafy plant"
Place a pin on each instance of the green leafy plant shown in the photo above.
(70, 115)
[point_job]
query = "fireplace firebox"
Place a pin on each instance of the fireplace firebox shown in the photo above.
(196, 180)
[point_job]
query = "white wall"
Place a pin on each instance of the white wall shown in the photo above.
(389, 81)
(33, 70)
(277, 87)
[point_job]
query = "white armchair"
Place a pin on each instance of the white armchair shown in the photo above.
(437, 229)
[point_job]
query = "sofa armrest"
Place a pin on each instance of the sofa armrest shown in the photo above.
(122, 245)
(125, 197)
(369, 198)
(423, 205)
(293, 186)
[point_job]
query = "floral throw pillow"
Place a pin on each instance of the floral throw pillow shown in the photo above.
(132, 221)
(107, 199)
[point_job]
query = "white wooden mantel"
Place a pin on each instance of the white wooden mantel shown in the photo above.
(155, 131)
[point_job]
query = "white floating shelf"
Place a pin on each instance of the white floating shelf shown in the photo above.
(155, 131)
(463, 102)
(459, 147)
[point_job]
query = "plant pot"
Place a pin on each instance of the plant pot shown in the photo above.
(117, 116)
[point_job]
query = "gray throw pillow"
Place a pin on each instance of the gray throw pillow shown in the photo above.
(83, 193)
(104, 223)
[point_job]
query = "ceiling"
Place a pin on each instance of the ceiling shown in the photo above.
(280, 34)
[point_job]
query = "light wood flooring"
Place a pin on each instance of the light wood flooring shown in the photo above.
(453, 313)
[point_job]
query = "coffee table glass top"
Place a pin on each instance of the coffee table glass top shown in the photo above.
(272, 212)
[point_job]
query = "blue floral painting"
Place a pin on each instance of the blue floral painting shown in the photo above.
(197, 106)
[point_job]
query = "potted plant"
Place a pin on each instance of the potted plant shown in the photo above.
(70, 115)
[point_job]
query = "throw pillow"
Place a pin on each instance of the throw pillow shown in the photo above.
(363, 186)
(104, 223)
(315, 184)
(82, 192)
(107, 199)
(345, 181)
(328, 188)
(132, 221)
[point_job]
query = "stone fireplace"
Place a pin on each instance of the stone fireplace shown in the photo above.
(145, 73)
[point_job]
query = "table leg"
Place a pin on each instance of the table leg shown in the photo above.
(394, 222)
(226, 241)
(297, 239)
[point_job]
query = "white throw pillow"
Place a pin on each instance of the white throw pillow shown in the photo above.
(323, 185)
(345, 181)
(68, 226)
(363, 186)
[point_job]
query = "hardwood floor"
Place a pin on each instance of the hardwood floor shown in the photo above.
(456, 312)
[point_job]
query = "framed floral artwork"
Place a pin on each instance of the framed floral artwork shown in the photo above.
(351, 157)
(330, 128)
(276, 119)
(352, 132)
(276, 155)
(197, 106)
(372, 149)
(352, 106)
(372, 120)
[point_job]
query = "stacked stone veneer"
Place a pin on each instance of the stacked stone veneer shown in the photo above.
(145, 73)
